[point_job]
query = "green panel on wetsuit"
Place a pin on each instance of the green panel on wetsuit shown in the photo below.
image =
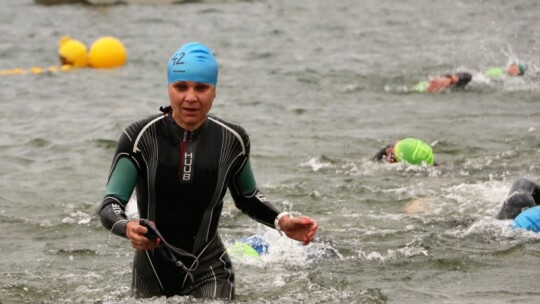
(420, 87)
(494, 72)
(246, 180)
(123, 180)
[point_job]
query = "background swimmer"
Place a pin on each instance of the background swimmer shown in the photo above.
(410, 150)
(461, 79)
(521, 205)
(513, 69)
(438, 84)
(523, 194)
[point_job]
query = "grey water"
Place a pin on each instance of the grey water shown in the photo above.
(320, 86)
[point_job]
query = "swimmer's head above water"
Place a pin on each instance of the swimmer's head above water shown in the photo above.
(409, 150)
(516, 69)
(513, 69)
(514, 205)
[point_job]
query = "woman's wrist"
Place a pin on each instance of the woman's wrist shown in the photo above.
(278, 219)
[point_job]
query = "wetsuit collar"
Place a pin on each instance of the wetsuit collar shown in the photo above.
(180, 131)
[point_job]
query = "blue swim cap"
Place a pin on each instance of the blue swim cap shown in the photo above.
(528, 219)
(193, 62)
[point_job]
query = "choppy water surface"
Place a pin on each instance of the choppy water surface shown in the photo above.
(320, 86)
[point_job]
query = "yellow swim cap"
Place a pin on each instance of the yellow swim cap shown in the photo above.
(72, 51)
(107, 52)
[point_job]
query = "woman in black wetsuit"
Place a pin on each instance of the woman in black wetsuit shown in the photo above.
(181, 163)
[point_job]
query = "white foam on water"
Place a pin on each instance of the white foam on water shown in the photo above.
(410, 250)
(132, 212)
(287, 252)
(316, 164)
(75, 216)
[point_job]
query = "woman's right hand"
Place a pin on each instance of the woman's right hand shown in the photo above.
(135, 233)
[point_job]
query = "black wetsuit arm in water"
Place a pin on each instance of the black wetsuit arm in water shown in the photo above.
(524, 193)
(463, 79)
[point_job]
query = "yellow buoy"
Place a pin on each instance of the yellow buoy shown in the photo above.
(36, 70)
(65, 67)
(12, 71)
(72, 52)
(107, 52)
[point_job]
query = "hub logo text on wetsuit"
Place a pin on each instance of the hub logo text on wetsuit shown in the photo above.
(261, 197)
(187, 171)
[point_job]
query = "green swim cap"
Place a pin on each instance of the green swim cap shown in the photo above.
(522, 68)
(494, 72)
(413, 151)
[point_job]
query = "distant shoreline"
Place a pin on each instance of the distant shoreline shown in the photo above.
(118, 2)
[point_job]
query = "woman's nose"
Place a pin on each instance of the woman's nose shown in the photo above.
(191, 96)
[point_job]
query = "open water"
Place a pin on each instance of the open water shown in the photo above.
(320, 86)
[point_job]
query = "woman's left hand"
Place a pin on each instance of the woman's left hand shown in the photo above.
(302, 228)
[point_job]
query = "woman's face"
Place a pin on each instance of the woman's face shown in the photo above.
(191, 102)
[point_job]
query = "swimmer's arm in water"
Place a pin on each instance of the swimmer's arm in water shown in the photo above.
(520, 197)
(438, 84)
(527, 186)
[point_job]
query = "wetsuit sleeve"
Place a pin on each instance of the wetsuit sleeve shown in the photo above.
(122, 181)
(249, 199)
(527, 186)
(523, 194)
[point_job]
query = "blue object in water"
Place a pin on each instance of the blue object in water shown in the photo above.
(528, 219)
(258, 243)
